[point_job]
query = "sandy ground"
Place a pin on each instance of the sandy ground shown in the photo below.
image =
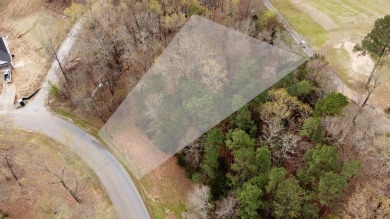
(361, 65)
(22, 22)
(344, 33)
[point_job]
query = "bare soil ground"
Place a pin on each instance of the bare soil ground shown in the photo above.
(23, 23)
(38, 193)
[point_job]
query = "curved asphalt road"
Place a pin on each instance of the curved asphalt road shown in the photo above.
(35, 117)
(119, 186)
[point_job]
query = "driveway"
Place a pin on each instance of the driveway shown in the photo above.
(35, 117)
(7, 97)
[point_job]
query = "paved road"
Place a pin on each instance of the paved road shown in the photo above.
(119, 186)
(37, 104)
(7, 97)
(35, 117)
(293, 33)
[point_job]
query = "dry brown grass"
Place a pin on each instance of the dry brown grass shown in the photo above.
(22, 23)
(39, 194)
(165, 189)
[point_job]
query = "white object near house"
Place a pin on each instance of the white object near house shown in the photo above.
(7, 76)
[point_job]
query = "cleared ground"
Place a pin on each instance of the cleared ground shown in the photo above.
(165, 190)
(33, 188)
(337, 26)
(24, 23)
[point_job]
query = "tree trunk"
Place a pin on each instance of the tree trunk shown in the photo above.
(61, 68)
(322, 211)
(372, 74)
(12, 171)
(377, 63)
(71, 192)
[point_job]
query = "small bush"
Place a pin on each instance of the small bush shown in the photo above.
(54, 91)
(387, 110)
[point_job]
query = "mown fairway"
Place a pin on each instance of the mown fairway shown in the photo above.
(302, 22)
(329, 24)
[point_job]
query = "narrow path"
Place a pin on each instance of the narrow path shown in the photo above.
(38, 103)
(7, 98)
(293, 33)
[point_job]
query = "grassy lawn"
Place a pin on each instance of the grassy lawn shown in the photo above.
(3, 2)
(302, 23)
(351, 11)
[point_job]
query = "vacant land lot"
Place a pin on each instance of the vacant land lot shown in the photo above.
(342, 24)
(33, 169)
(24, 22)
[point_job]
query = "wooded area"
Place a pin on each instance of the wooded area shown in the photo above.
(298, 150)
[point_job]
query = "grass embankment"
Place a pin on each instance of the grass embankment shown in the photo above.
(302, 23)
(163, 191)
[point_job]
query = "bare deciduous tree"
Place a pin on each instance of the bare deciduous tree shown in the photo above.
(226, 208)
(193, 154)
(64, 181)
(288, 145)
(380, 153)
(198, 202)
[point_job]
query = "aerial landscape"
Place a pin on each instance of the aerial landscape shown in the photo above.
(195, 109)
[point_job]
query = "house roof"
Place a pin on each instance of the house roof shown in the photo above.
(5, 55)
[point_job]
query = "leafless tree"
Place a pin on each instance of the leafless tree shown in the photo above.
(380, 153)
(193, 154)
(48, 44)
(7, 155)
(288, 145)
(64, 181)
(198, 202)
(226, 208)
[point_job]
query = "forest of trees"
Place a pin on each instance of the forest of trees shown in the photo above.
(273, 157)
(290, 153)
(124, 38)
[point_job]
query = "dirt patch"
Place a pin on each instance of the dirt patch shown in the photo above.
(37, 192)
(360, 64)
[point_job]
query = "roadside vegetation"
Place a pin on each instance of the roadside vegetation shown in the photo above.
(41, 179)
(299, 150)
